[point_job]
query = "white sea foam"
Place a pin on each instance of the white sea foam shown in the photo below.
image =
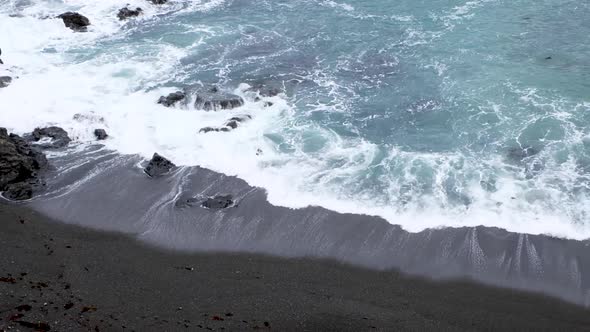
(111, 90)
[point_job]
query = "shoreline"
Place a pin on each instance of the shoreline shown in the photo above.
(112, 280)
(101, 189)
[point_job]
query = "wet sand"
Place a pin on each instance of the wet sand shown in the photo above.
(75, 279)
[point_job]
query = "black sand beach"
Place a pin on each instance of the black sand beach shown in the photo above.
(72, 279)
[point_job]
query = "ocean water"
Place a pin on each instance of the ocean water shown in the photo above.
(426, 113)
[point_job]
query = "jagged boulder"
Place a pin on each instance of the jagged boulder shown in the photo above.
(19, 166)
(218, 202)
(172, 98)
(59, 137)
(100, 134)
(214, 100)
(125, 13)
(75, 21)
(24, 148)
(19, 191)
(158, 166)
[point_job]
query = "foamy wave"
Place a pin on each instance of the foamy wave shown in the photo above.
(69, 79)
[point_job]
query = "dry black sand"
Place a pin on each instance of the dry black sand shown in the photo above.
(71, 279)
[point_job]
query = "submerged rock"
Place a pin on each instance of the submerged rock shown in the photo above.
(125, 13)
(59, 137)
(213, 129)
(158, 165)
(100, 134)
(19, 166)
(234, 122)
(172, 98)
(265, 90)
(5, 81)
(231, 124)
(520, 153)
(75, 21)
(218, 202)
(214, 100)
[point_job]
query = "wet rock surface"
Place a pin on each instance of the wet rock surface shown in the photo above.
(100, 134)
(172, 98)
(58, 137)
(158, 166)
(231, 124)
(214, 129)
(20, 165)
(213, 99)
(518, 154)
(19, 191)
(5, 81)
(218, 202)
(125, 13)
(75, 21)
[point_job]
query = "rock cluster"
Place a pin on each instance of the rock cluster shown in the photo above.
(20, 164)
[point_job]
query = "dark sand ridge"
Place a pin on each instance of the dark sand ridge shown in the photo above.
(68, 278)
(103, 190)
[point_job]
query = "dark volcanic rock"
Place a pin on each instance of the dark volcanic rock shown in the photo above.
(208, 130)
(75, 21)
(19, 191)
(19, 166)
(100, 134)
(241, 118)
(213, 129)
(218, 202)
(5, 81)
(232, 123)
(216, 100)
(158, 2)
(59, 137)
(125, 13)
(23, 147)
(172, 98)
(158, 166)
